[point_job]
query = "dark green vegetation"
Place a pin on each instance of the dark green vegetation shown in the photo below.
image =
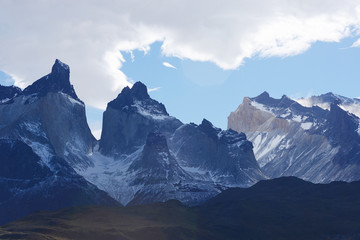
(284, 208)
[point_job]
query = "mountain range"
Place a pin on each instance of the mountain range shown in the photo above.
(50, 159)
(144, 155)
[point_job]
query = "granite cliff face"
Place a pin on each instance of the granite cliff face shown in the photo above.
(130, 117)
(48, 114)
(313, 143)
(44, 136)
(145, 155)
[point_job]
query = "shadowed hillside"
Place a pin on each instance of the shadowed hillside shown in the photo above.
(284, 208)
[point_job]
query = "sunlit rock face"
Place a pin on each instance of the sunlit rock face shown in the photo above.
(313, 142)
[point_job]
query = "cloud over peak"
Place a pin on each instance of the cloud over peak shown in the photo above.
(89, 35)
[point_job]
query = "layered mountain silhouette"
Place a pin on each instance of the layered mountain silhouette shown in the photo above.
(50, 159)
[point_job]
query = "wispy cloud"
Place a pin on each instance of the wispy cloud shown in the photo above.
(153, 89)
(166, 64)
(356, 43)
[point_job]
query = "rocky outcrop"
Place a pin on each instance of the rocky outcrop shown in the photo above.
(57, 81)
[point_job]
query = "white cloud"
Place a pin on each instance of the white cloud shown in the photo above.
(153, 89)
(96, 133)
(166, 64)
(88, 34)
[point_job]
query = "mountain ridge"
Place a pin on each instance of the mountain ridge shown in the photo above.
(311, 142)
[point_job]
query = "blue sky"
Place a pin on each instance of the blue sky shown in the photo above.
(197, 90)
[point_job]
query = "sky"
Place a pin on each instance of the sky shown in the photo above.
(199, 58)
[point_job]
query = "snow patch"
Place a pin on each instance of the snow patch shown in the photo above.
(4, 100)
(72, 100)
(285, 115)
(352, 108)
(42, 150)
(297, 118)
(152, 113)
(262, 107)
(34, 128)
(111, 175)
(264, 145)
(306, 126)
(165, 157)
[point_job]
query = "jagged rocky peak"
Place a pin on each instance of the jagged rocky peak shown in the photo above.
(130, 117)
(330, 97)
(139, 91)
(8, 92)
(57, 81)
(128, 95)
(263, 97)
(137, 99)
(208, 128)
(49, 111)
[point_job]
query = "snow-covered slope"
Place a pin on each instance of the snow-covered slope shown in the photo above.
(145, 155)
(310, 142)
